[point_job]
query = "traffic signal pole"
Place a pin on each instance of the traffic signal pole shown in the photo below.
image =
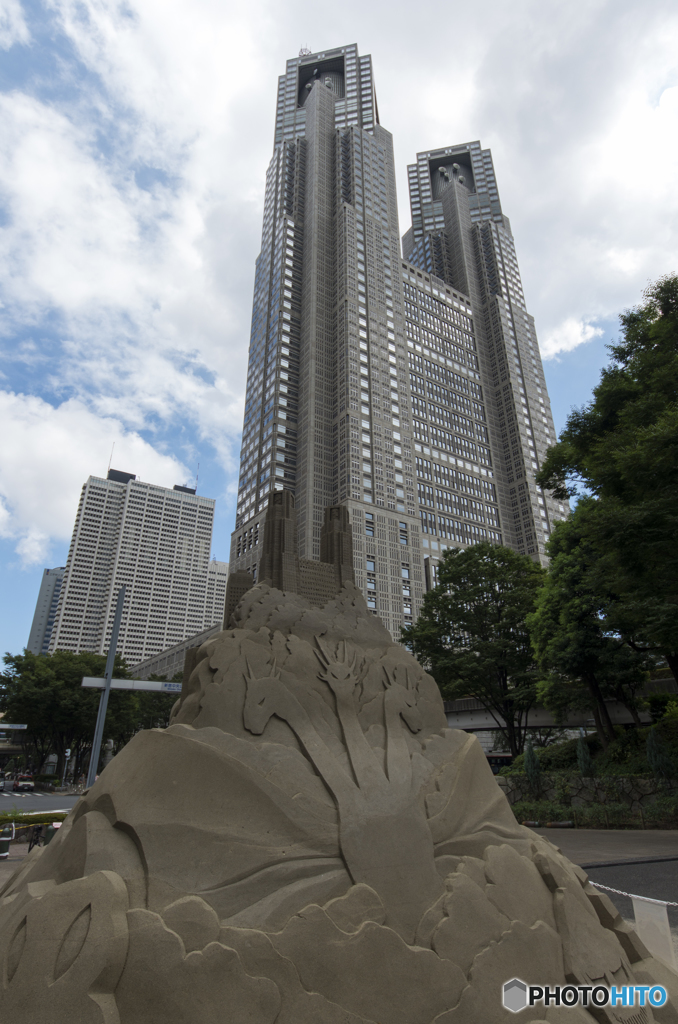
(103, 701)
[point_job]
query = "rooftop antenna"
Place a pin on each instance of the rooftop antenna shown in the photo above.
(305, 52)
(196, 478)
(110, 460)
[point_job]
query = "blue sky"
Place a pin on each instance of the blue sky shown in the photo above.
(134, 140)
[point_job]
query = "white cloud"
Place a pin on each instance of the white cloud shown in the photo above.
(13, 27)
(46, 456)
(149, 326)
(132, 186)
(567, 336)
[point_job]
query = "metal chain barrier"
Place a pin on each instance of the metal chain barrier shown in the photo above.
(632, 895)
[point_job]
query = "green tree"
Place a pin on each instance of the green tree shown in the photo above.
(45, 692)
(471, 633)
(154, 709)
(657, 755)
(532, 769)
(623, 449)
(584, 759)
(585, 660)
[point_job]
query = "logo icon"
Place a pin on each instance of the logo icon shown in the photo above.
(515, 995)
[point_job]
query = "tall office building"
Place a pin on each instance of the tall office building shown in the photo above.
(154, 540)
(45, 610)
(461, 237)
(370, 380)
(215, 594)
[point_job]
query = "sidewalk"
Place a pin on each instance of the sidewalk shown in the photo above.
(17, 852)
(589, 846)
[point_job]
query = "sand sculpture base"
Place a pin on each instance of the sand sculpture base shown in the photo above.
(307, 843)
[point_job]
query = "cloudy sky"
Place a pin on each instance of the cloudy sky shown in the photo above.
(134, 140)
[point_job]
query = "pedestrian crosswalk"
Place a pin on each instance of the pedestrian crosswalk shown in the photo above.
(19, 796)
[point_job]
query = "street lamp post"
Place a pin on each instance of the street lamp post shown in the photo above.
(103, 702)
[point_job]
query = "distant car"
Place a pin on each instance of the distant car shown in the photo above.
(498, 761)
(2, 781)
(23, 784)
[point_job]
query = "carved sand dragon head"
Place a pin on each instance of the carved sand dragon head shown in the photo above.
(402, 700)
(263, 699)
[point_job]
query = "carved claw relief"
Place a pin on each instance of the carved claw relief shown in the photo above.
(380, 808)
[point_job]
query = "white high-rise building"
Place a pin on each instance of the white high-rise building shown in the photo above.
(45, 610)
(217, 578)
(157, 542)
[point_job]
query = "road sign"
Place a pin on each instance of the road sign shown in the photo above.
(153, 685)
(6, 725)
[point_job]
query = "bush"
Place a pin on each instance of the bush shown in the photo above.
(560, 757)
(671, 713)
(657, 704)
(625, 755)
(23, 822)
(592, 816)
(657, 754)
(584, 760)
(532, 769)
(663, 811)
(541, 811)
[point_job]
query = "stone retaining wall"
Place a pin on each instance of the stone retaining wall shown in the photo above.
(575, 791)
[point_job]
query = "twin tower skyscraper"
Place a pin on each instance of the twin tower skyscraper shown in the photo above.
(403, 383)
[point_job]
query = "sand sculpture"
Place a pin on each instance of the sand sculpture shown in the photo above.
(307, 843)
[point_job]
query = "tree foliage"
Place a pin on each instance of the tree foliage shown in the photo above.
(45, 692)
(532, 769)
(471, 633)
(585, 660)
(584, 759)
(657, 755)
(622, 448)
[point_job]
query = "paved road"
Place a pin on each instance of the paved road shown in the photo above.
(658, 881)
(23, 802)
(594, 846)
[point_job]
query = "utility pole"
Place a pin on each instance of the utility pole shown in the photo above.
(67, 754)
(103, 702)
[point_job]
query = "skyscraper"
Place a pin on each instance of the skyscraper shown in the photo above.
(371, 380)
(45, 610)
(460, 236)
(157, 542)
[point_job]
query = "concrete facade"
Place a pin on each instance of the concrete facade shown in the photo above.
(327, 407)
(389, 386)
(460, 236)
(156, 541)
(45, 610)
(170, 662)
(317, 581)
